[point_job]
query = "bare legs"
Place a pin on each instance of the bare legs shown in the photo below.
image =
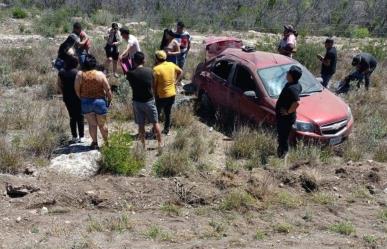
(95, 122)
(110, 61)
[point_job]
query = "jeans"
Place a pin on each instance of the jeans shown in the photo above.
(81, 56)
(181, 60)
(76, 117)
(326, 78)
(284, 127)
(165, 104)
(97, 106)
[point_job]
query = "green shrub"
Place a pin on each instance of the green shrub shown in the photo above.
(283, 228)
(172, 163)
(119, 156)
(102, 17)
(19, 13)
(377, 49)
(306, 55)
(381, 153)
(238, 200)
(54, 22)
(303, 152)
(344, 228)
(359, 32)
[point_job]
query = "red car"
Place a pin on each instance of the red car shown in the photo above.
(249, 83)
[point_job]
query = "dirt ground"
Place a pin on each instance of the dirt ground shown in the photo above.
(187, 212)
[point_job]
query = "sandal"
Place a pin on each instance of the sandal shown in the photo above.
(94, 146)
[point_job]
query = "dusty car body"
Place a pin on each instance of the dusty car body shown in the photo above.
(249, 83)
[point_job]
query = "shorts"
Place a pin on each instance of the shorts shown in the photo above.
(97, 106)
(145, 111)
(112, 52)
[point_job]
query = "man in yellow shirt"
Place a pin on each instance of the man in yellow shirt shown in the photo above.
(166, 75)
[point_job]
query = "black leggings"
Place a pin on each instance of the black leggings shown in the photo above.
(165, 104)
(76, 117)
(284, 127)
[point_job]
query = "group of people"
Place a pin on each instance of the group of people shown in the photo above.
(86, 91)
(364, 63)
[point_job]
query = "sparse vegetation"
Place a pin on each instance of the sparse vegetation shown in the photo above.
(283, 228)
(383, 214)
(238, 200)
(323, 198)
(170, 209)
(260, 235)
(19, 13)
(256, 145)
(370, 240)
(120, 157)
(157, 233)
(344, 228)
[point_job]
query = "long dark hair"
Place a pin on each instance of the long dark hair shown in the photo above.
(90, 63)
(164, 40)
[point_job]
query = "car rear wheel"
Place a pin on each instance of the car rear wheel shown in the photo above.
(205, 107)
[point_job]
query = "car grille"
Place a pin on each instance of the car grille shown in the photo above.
(334, 128)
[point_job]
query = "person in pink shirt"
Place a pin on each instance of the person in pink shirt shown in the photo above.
(288, 43)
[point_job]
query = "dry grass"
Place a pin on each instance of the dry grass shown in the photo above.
(256, 145)
(183, 117)
(238, 200)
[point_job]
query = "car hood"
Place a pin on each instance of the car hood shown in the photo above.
(322, 108)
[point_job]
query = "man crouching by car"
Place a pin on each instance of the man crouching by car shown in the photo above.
(286, 107)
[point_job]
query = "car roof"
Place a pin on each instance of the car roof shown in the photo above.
(216, 39)
(259, 58)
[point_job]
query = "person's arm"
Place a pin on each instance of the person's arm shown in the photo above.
(292, 109)
(179, 74)
(155, 84)
(189, 44)
(119, 40)
(106, 87)
(77, 84)
(60, 85)
(84, 40)
(126, 52)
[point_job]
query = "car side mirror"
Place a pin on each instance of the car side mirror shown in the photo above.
(251, 95)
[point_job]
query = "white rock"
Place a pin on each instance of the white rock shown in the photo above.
(385, 190)
(78, 163)
(44, 211)
(18, 219)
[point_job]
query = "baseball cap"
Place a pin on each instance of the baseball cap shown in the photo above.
(161, 55)
(295, 72)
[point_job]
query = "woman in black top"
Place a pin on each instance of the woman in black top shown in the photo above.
(66, 82)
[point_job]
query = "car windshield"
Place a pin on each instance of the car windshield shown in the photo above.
(274, 80)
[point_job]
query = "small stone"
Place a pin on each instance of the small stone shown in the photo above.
(90, 193)
(18, 219)
(44, 211)
(67, 222)
(281, 185)
(335, 189)
(370, 161)
(385, 191)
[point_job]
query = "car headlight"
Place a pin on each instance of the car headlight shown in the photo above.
(304, 126)
(349, 113)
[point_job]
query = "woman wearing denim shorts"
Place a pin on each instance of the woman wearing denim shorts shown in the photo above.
(93, 89)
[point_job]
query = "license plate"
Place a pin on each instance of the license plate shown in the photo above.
(336, 140)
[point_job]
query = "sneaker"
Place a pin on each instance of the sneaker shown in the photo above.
(94, 146)
(80, 140)
(166, 133)
(74, 140)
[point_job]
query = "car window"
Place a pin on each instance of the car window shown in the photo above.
(222, 69)
(244, 80)
(274, 80)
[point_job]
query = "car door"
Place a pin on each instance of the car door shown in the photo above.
(247, 106)
(221, 76)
